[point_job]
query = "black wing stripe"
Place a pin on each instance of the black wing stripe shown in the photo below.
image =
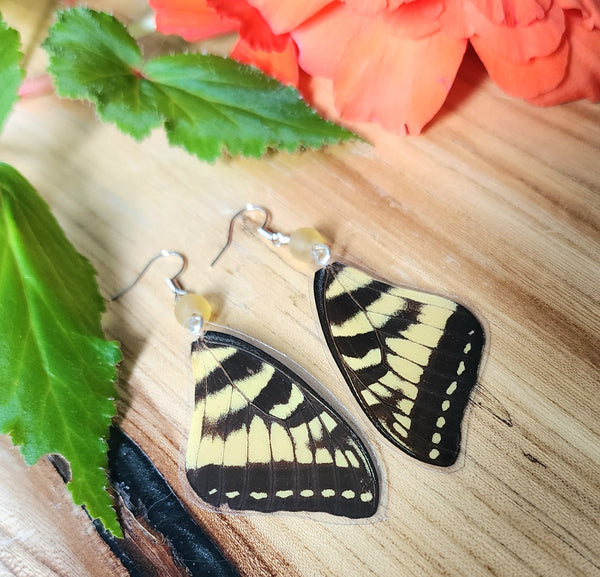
(410, 358)
(261, 439)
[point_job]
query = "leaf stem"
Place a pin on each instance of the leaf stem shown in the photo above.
(36, 86)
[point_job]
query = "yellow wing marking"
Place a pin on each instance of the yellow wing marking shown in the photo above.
(235, 452)
(259, 446)
(387, 304)
(392, 381)
(210, 451)
(316, 428)
(423, 334)
(281, 443)
(284, 410)
(205, 361)
(217, 405)
(328, 421)
(347, 280)
(423, 298)
(323, 455)
(373, 357)
(382, 392)
(301, 443)
(195, 435)
(435, 316)
(340, 459)
(369, 397)
(405, 368)
(409, 350)
(358, 324)
(252, 385)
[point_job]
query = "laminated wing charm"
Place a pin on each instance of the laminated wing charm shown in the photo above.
(261, 439)
(411, 358)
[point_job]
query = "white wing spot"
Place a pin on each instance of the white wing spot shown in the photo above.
(256, 495)
(328, 492)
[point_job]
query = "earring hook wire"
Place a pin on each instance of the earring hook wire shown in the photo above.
(276, 238)
(172, 282)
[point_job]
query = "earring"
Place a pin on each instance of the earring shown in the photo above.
(411, 358)
(261, 438)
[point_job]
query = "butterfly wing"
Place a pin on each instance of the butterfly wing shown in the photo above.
(411, 358)
(261, 439)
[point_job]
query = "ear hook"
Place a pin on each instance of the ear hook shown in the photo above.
(172, 282)
(277, 238)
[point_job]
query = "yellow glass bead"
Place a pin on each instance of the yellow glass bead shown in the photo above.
(302, 242)
(190, 305)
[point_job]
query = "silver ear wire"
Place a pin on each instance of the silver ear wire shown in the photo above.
(172, 282)
(275, 238)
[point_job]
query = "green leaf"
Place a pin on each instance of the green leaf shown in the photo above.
(57, 371)
(208, 105)
(93, 57)
(11, 73)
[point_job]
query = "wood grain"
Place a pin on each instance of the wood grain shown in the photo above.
(497, 204)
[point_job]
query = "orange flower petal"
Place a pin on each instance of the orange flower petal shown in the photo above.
(402, 84)
(253, 27)
(527, 80)
(323, 40)
(518, 43)
(512, 12)
(453, 21)
(366, 7)
(589, 9)
(281, 65)
(416, 19)
(285, 16)
(582, 78)
(192, 19)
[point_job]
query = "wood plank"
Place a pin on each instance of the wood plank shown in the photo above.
(497, 204)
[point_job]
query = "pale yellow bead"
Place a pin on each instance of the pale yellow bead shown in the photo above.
(190, 305)
(302, 242)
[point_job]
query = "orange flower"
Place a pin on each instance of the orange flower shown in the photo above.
(394, 61)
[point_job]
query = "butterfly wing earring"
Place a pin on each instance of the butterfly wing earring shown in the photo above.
(261, 438)
(411, 358)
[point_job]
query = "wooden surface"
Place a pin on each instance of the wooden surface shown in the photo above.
(498, 204)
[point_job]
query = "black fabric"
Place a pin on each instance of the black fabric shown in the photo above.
(146, 494)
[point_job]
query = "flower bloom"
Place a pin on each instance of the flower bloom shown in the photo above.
(394, 61)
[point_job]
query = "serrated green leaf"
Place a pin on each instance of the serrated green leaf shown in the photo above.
(11, 73)
(92, 57)
(208, 105)
(212, 104)
(57, 371)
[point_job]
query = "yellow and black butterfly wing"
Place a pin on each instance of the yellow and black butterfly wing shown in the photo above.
(261, 439)
(411, 358)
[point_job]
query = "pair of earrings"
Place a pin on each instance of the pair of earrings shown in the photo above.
(263, 439)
